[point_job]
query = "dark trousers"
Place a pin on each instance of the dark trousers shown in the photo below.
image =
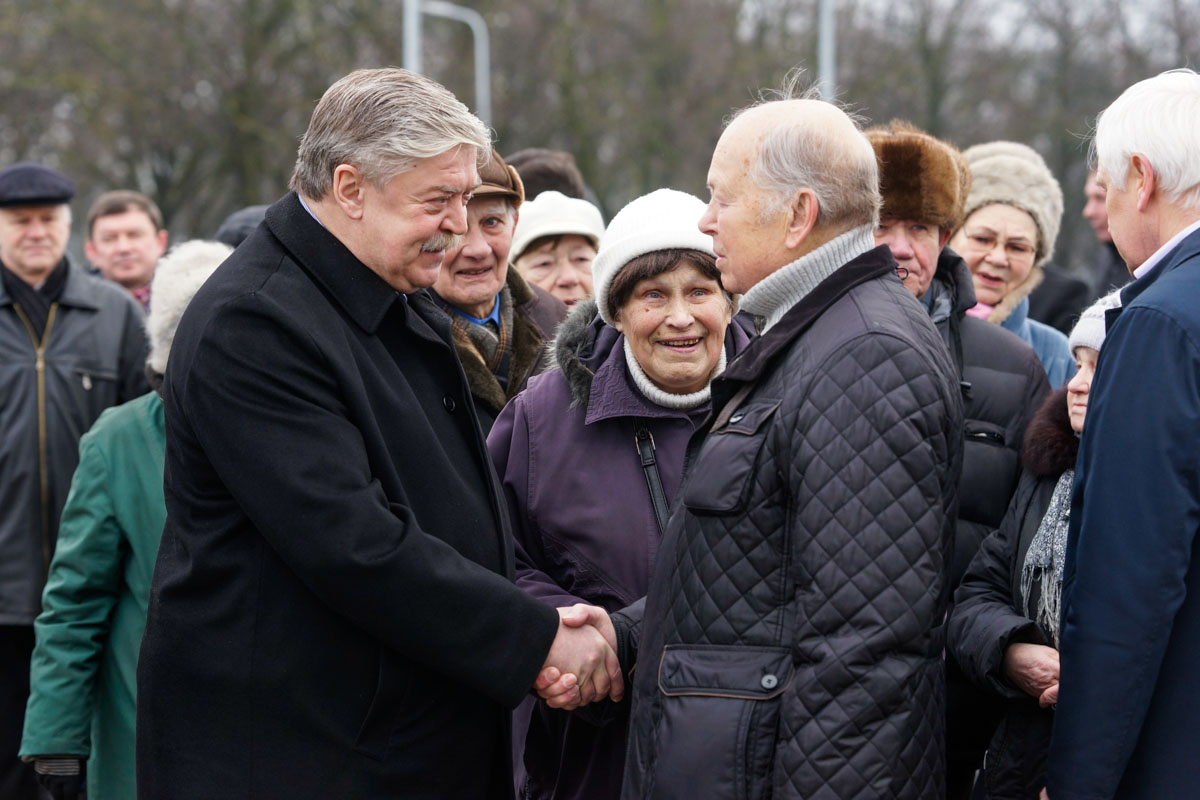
(16, 646)
(971, 718)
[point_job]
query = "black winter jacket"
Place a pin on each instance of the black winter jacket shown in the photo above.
(1003, 384)
(791, 644)
(91, 356)
(988, 614)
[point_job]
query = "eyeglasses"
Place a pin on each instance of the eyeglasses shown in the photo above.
(1018, 250)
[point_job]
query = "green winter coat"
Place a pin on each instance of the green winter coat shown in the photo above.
(83, 680)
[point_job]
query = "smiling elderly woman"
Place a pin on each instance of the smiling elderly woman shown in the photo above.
(591, 453)
(1011, 221)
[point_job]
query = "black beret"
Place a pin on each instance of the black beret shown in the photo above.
(34, 185)
(240, 224)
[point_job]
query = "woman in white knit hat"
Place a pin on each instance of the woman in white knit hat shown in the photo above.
(1005, 623)
(591, 453)
(554, 244)
(1010, 224)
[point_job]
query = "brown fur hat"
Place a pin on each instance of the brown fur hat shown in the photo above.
(921, 178)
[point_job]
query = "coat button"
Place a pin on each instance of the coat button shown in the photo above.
(448, 402)
(769, 681)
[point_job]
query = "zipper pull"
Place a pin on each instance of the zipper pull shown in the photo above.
(87, 382)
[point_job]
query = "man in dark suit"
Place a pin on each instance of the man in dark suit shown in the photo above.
(333, 612)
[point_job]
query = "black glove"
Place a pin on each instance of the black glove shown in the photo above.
(50, 775)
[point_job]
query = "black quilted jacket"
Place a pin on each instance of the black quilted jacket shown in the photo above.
(790, 643)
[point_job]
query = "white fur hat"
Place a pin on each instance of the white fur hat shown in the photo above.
(555, 214)
(1090, 330)
(662, 220)
(178, 276)
(1014, 174)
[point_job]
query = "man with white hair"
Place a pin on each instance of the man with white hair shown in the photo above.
(790, 643)
(1126, 723)
(333, 612)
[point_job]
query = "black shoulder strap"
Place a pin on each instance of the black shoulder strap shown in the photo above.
(658, 497)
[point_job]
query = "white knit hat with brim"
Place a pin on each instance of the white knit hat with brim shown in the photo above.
(1090, 330)
(555, 214)
(1014, 174)
(662, 220)
(177, 278)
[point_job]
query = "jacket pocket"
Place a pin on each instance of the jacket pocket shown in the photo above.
(391, 687)
(716, 733)
(94, 390)
(735, 448)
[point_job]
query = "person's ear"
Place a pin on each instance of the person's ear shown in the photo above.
(1142, 171)
(802, 217)
(90, 251)
(944, 235)
(348, 189)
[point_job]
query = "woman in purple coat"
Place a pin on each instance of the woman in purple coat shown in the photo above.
(591, 453)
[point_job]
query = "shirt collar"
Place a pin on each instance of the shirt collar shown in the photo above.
(1162, 252)
(492, 317)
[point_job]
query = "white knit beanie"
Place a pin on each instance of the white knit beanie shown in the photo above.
(555, 214)
(1089, 331)
(662, 220)
(178, 276)
(1014, 174)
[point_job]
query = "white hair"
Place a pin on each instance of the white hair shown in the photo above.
(177, 278)
(382, 121)
(1155, 118)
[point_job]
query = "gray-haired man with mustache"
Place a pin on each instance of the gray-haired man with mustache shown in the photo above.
(333, 612)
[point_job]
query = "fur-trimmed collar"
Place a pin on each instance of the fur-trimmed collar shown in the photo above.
(1009, 304)
(578, 349)
(1050, 444)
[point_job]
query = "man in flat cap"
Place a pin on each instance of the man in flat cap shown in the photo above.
(501, 323)
(71, 345)
(924, 183)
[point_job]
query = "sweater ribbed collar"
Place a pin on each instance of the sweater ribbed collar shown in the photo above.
(682, 402)
(770, 298)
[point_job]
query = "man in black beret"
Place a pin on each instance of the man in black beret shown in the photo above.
(71, 345)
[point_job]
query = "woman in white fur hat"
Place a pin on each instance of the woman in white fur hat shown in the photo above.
(1010, 224)
(591, 453)
(79, 723)
(1004, 627)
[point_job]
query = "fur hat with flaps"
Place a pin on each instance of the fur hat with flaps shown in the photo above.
(921, 178)
(177, 278)
(1014, 174)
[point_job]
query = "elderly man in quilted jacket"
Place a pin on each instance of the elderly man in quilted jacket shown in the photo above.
(790, 644)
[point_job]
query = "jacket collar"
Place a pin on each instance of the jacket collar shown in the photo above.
(1189, 247)
(758, 355)
(955, 277)
(364, 295)
(76, 292)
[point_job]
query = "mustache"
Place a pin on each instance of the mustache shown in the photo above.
(441, 241)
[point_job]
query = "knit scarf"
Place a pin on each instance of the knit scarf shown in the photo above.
(34, 301)
(494, 348)
(769, 299)
(1044, 560)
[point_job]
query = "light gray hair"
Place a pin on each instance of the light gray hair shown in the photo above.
(382, 121)
(844, 176)
(1155, 118)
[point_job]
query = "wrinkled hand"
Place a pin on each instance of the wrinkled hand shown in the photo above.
(582, 665)
(1034, 670)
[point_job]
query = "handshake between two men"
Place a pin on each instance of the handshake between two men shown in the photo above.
(582, 665)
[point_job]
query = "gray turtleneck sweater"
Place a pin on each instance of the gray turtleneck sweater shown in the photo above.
(770, 298)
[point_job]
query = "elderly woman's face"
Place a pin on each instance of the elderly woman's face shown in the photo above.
(675, 323)
(999, 244)
(1079, 387)
(562, 268)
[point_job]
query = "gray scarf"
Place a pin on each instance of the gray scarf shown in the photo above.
(1044, 560)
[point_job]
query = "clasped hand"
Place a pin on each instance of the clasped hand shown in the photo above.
(582, 665)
